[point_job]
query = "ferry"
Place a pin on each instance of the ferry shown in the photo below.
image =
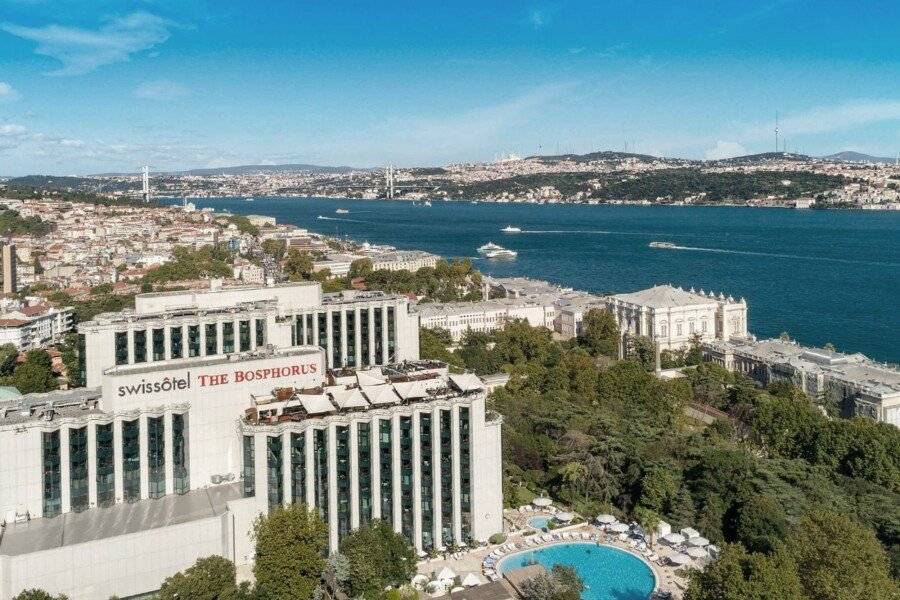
(489, 247)
(668, 245)
(342, 211)
(511, 229)
(503, 253)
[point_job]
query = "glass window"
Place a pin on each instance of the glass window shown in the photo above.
(121, 347)
(244, 335)
(320, 458)
(406, 477)
(364, 460)
(159, 344)
(212, 339)
(342, 441)
(140, 346)
(309, 329)
(386, 469)
(249, 467)
(176, 342)
(52, 473)
(156, 456)
(298, 467)
(180, 454)
(379, 341)
(260, 332)
(336, 339)
(275, 470)
(427, 481)
(227, 337)
(193, 341)
(131, 460)
(106, 465)
(351, 338)
(392, 334)
(78, 469)
(322, 323)
(446, 477)
(465, 468)
(364, 338)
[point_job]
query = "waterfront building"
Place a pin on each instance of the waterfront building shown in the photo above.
(399, 260)
(570, 313)
(484, 316)
(672, 316)
(171, 452)
(853, 383)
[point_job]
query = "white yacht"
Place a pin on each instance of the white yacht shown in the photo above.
(489, 247)
(511, 229)
(667, 245)
(503, 253)
(342, 211)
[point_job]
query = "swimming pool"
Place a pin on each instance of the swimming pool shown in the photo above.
(538, 522)
(608, 573)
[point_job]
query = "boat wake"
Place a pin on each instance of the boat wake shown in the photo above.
(789, 256)
(324, 218)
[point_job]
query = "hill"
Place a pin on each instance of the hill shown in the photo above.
(594, 156)
(763, 157)
(851, 156)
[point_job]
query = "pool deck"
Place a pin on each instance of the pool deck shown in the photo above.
(471, 561)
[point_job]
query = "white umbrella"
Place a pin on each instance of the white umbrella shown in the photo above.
(673, 539)
(696, 552)
(679, 559)
(618, 528)
(457, 589)
(446, 573)
(419, 581)
(564, 517)
(606, 519)
(690, 532)
(698, 542)
(542, 502)
(471, 580)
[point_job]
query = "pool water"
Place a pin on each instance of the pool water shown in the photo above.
(538, 522)
(608, 573)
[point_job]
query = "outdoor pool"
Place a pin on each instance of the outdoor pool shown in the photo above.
(608, 573)
(538, 522)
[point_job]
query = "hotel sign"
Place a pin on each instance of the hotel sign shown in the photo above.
(177, 383)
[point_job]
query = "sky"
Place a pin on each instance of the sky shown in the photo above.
(110, 85)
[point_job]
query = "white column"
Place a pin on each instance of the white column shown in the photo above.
(65, 476)
(396, 491)
(310, 468)
(168, 450)
(343, 338)
(357, 338)
(119, 480)
(315, 330)
(371, 334)
(202, 339)
(384, 335)
(184, 340)
(287, 471)
(92, 463)
(219, 337)
(457, 476)
(130, 340)
(167, 342)
(329, 335)
(332, 488)
(436, 476)
(375, 440)
(253, 332)
(354, 474)
(261, 474)
(416, 481)
(142, 454)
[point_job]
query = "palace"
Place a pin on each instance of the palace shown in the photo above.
(204, 409)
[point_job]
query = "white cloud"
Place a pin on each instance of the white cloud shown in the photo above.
(7, 92)
(725, 150)
(161, 90)
(825, 119)
(83, 50)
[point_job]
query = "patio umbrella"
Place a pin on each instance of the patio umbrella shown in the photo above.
(606, 519)
(690, 532)
(618, 528)
(456, 589)
(446, 573)
(697, 552)
(698, 542)
(679, 559)
(542, 502)
(471, 580)
(419, 581)
(564, 517)
(673, 539)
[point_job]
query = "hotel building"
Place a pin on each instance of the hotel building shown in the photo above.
(200, 415)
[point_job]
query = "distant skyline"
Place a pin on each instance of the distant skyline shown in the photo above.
(89, 87)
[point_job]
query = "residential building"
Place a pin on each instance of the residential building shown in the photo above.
(10, 277)
(31, 327)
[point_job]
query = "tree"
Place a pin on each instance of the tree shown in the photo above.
(738, 575)
(35, 374)
(379, 557)
(838, 559)
(298, 265)
(562, 583)
(36, 594)
(274, 248)
(291, 543)
(361, 267)
(761, 523)
(600, 332)
(8, 355)
(210, 578)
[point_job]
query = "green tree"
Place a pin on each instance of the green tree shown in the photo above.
(761, 523)
(379, 557)
(210, 578)
(274, 248)
(35, 374)
(562, 583)
(298, 265)
(600, 332)
(738, 575)
(36, 594)
(291, 543)
(8, 355)
(361, 267)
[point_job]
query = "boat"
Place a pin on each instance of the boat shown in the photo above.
(342, 211)
(668, 245)
(511, 229)
(428, 203)
(248, 199)
(501, 253)
(321, 218)
(489, 247)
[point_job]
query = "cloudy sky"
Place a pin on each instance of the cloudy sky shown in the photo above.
(100, 85)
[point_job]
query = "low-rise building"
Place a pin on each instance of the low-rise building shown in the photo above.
(399, 260)
(35, 326)
(484, 316)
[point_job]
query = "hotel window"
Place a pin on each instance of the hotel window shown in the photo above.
(298, 467)
(320, 465)
(180, 454)
(342, 433)
(691, 326)
(336, 339)
(379, 341)
(121, 347)
(260, 325)
(386, 469)
(156, 456)
(322, 321)
(52, 473)
(159, 344)
(308, 338)
(140, 346)
(212, 339)
(465, 470)
(392, 334)
(227, 337)
(406, 477)
(193, 341)
(427, 481)
(703, 325)
(275, 470)
(364, 471)
(364, 338)
(176, 342)
(678, 328)
(249, 467)
(131, 460)
(663, 329)
(78, 468)
(446, 426)
(351, 338)
(106, 466)
(244, 335)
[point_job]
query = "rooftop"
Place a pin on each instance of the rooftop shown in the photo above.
(666, 296)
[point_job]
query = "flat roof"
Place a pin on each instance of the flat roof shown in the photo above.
(121, 519)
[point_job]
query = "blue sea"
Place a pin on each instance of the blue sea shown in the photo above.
(821, 276)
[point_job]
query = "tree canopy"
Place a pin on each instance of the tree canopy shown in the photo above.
(210, 578)
(378, 557)
(291, 543)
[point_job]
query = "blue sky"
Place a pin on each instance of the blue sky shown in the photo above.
(105, 85)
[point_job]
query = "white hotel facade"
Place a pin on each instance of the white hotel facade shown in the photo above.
(204, 409)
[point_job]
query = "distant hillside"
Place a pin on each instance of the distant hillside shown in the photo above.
(249, 169)
(850, 156)
(594, 156)
(763, 157)
(54, 182)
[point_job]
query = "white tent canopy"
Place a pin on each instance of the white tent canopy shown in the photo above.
(564, 517)
(679, 559)
(690, 532)
(446, 573)
(697, 552)
(618, 528)
(673, 539)
(606, 519)
(471, 580)
(698, 542)
(542, 502)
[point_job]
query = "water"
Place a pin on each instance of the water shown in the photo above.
(822, 276)
(608, 573)
(538, 522)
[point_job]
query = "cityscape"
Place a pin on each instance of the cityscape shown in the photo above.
(234, 367)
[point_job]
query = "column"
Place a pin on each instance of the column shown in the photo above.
(371, 334)
(117, 458)
(329, 339)
(219, 340)
(202, 339)
(65, 475)
(261, 471)
(167, 346)
(343, 338)
(184, 342)
(354, 474)
(130, 340)
(332, 488)
(357, 338)
(416, 481)
(236, 328)
(315, 330)
(457, 475)
(92, 463)
(384, 335)
(253, 332)
(142, 454)
(310, 467)
(168, 449)
(436, 475)
(396, 491)
(286, 471)
(375, 439)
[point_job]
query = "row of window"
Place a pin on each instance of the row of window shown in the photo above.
(189, 341)
(79, 485)
(312, 329)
